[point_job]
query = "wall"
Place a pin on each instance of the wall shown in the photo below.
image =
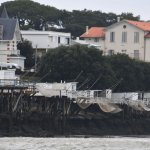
(45, 39)
(17, 60)
(99, 44)
(130, 46)
(147, 49)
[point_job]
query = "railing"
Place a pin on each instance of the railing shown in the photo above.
(16, 83)
(14, 52)
(99, 97)
(9, 52)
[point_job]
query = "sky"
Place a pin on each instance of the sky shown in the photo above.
(137, 7)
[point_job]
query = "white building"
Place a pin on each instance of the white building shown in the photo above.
(57, 89)
(126, 36)
(95, 36)
(9, 37)
(44, 40)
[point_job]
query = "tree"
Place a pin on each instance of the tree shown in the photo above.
(66, 63)
(31, 14)
(135, 73)
(129, 16)
(34, 15)
(26, 50)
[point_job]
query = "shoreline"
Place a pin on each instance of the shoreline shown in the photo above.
(78, 128)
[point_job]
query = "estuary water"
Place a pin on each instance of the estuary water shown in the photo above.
(111, 143)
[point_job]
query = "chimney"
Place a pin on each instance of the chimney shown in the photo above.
(87, 29)
(118, 19)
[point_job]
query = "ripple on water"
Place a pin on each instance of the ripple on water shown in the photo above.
(116, 143)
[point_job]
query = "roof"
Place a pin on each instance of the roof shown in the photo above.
(140, 24)
(9, 26)
(4, 13)
(94, 32)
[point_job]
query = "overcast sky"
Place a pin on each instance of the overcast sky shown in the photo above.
(137, 7)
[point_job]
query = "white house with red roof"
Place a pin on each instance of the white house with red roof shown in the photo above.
(126, 36)
(94, 37)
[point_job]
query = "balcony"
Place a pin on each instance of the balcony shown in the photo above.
(14, 52)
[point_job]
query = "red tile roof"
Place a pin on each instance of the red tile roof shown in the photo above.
(142, 25)
(94, 32)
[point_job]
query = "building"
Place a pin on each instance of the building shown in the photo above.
(9, 37)
(44, 40)
(126, 36)
(95, 36)
(129, 37)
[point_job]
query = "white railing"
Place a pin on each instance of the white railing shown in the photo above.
(14, 52)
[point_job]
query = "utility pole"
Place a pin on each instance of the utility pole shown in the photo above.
(35, 63)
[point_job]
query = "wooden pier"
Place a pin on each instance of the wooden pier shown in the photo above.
(20, 105)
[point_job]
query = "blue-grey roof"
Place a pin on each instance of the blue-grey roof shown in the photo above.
(4, 13)
(9, 26)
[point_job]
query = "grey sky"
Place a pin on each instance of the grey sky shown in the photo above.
(137, 7)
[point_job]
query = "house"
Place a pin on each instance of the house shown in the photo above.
(126, 36)
(57, 89)
(9, 37)
(44, 40)
(94, 37)
(129, 37)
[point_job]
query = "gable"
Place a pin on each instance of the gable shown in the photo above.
(123, 25)
(140, 24)
(144, 26)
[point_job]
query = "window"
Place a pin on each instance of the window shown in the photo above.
(112, 36)
(124, 51)
(124, 37)
(58, 40)
(124, 26)
(68, 41)
(136, 37)
(73, 87)
(136, 54)
(51, 38)
(1, 32)
(96, 40)
(111, 52)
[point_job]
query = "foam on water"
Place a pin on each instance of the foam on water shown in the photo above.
(118, 143)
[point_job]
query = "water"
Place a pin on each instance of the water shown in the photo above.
(117, 143)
